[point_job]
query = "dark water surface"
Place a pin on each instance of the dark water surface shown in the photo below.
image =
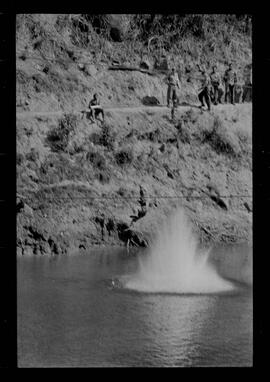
(69, 316)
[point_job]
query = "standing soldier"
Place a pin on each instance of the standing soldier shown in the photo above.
(247, 93)
(216, 82)
(173, 82)
(204, 92)
(230, 80)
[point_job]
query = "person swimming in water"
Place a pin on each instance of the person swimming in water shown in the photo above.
(116, 284)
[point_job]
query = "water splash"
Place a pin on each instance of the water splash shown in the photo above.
(174, 263)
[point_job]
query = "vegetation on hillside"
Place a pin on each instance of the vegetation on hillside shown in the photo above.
(193, 35)
(61, 57)
(75, 178)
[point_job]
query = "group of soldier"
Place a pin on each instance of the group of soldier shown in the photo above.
(211, 89)
(213, 86)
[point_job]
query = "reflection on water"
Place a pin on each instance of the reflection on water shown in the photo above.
(69, 316)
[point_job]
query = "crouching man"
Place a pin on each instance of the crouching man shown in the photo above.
(95, 108)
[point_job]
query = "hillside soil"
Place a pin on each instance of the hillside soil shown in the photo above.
(78, 183)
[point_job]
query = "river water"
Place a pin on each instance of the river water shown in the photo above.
(70, 316)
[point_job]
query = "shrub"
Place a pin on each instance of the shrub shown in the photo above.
(153, 136)
(77, 148)
(19, 159)
(59, 167)
(245, 142)
(58, 138)
(244, 136)
(121, 191)
(32, 156)
(189, 116)
(124, 157)
(183, 133)
(95, 138)
(221, 139)
(106, 138)
(97, 160)
(103, 176)
(110, 225)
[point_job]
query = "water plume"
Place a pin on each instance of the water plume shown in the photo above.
(175, 264)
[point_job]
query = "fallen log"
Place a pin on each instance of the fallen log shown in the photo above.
(131, 68)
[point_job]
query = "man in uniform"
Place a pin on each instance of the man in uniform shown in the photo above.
(173, 82)
(247, 94)
(204, 92)
(230, 80)
(143, 210)
(216, 82)
(95, 108)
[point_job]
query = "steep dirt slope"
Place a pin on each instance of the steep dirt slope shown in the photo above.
(81, 188)
(78, 183)
(60, 64)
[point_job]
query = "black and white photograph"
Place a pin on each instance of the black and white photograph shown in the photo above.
(134, 190)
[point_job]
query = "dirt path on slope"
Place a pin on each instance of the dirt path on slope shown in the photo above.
(236, 113)
(123, 109)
